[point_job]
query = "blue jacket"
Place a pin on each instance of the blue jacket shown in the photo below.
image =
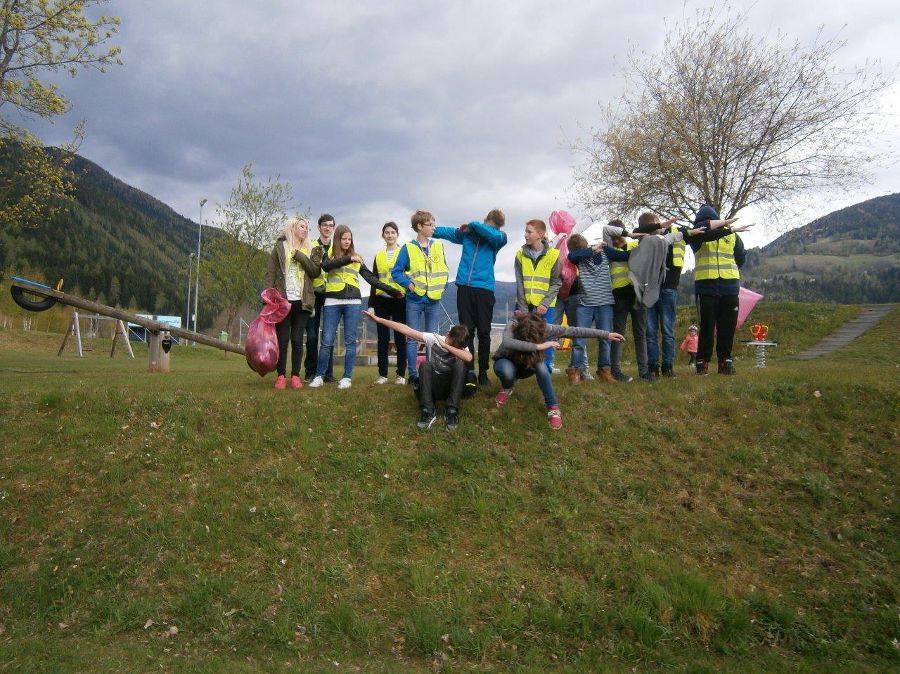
(480, 244)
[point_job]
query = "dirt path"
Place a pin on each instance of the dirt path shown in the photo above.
(849, 331)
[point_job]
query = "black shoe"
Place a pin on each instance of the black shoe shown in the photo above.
(452, 419)
(483, 379)
(648, 376)
(622, 377)
(727, 366)
(702, 367)
(668, 372)
(426, 420)
(329, 380)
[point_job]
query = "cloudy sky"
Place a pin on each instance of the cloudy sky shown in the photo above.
(373, 109)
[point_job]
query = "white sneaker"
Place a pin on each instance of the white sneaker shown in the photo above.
(316, 382)
(555, 370)
(381, 380)
(586, 376)
(400, 381)
(345, 383)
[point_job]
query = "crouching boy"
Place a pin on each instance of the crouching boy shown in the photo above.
(443, 375)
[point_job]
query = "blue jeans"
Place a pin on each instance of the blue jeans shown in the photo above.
(592, 317)
(662, 315)
(554, 316)
(331, 316)
(509, 372)
(424, 317)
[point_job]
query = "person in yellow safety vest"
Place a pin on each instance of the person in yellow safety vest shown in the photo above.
(343, 301)
(421, 269)
(719, 255)
(625, 304)
(314, 324)
(387, 307)
(537, 268)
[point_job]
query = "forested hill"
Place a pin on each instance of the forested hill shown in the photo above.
(849, 256)
(114, 244)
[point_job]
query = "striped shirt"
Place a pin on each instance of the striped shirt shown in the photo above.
(593, 271)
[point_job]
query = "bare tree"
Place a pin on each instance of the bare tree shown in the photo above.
(729, 118)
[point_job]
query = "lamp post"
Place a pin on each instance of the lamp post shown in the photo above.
(187, 313)
(197, 281)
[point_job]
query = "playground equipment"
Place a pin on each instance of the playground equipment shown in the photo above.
(75, 330)
(760, 332)
(24, 292)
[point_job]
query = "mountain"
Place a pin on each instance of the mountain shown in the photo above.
(114, 244)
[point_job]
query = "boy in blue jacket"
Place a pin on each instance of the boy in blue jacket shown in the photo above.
(475, 280)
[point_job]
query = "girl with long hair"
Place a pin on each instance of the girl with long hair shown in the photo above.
(520, 355)
(389, 307)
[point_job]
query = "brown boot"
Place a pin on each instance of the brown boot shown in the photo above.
(605, 374)
(574, 375)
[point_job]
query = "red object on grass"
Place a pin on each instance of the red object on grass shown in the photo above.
(261, 347)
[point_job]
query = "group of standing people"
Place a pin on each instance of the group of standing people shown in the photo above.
(623, 274)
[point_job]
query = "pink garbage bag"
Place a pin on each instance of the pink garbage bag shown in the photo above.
(562, 222)
(261, 346)
(747, 299)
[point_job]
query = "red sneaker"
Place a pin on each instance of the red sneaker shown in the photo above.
(554, 418)
(280, 382)
(503, 396)
(296, 382)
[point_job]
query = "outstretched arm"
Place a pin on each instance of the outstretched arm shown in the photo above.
(402, 328)
(463, 354)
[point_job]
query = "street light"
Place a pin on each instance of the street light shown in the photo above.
(197, 287)
(187, 313)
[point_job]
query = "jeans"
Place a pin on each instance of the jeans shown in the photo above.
(592, 317)
(394, 309)
(290, 331)
(331, 316)
(509, 372)
(555, 315)
(313, 327)
(662, 315)
(424, 317)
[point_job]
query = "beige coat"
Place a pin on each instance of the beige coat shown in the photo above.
(275, 274)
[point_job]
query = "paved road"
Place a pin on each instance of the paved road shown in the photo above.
(849, 331)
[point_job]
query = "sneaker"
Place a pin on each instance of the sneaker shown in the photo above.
(648, 377)
(345, 383)
(308, 378)
(280, 382)
(622, 377)
(483, 379)
(400, 381)
(555, 370)
(605, 374)
(586, 375)
(503, 396)
(329, 380)
(295, 381)
(316, 382)
(727, 366)
(702, 367)
(554, 418)
(668, 372)
(381, 380)
(452, 419)
(426, 420)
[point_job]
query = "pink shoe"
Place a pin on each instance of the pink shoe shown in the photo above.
(503, 396)
(280, 382)
(554, 418)
(296, 382)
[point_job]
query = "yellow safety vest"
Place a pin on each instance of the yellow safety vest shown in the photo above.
(429, 274)
(319, 281)
(384, 261)
(618, 271)
(677, 250)
(536, 278)
(340, 277)
(715, 259)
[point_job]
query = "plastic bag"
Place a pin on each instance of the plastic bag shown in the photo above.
(261, 346)
(562, 223)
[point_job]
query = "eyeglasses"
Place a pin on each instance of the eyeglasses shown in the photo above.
(327, 224)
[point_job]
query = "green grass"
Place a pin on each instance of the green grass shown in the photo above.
(710, 524)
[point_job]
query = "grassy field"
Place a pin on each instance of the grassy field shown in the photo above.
(201, 521)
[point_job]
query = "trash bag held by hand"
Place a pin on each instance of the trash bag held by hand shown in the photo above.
(261, 346)
(562, 223)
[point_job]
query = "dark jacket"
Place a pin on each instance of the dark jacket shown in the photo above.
(277, 267)
(349, 292)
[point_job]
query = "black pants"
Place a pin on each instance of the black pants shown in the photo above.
(394, 309)
(313, 326)
(475, 307)
(434, 386)
(291, 329)
(718, 322)
(625, 304)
